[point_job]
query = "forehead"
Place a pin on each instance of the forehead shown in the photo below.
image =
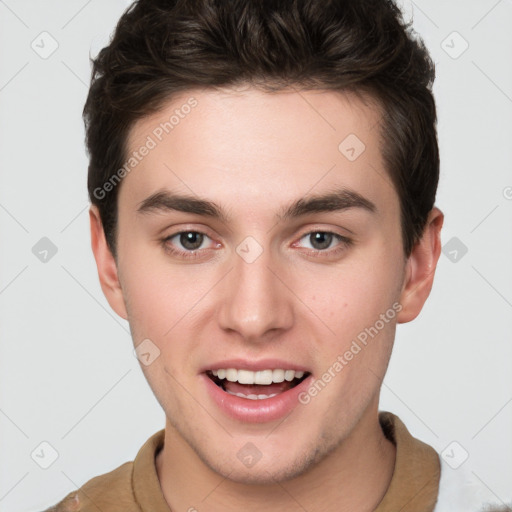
(268, 147)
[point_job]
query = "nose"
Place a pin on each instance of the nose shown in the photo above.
(255, 301)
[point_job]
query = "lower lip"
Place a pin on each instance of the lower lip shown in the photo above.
(256, 411)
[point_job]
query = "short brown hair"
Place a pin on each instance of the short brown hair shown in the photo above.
(164, 47)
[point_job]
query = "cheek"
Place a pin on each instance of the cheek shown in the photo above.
(352, 296)
(160, 296)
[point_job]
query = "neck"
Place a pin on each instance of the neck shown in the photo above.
(354, 476)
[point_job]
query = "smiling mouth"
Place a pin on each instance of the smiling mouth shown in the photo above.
(258, 385)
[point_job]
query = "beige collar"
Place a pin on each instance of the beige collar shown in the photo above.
(413, 488)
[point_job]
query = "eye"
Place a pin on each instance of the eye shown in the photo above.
(320, 240)
(190, 240)
(324, 241)
(194, 244)
(186, 243)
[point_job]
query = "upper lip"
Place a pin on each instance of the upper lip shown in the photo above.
(262, 364)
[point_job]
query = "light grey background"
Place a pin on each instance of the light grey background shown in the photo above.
(68, 376)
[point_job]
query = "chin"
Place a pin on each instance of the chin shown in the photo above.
(269, 470)
(263, 475)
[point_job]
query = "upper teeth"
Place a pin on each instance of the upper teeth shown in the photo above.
(259, 377)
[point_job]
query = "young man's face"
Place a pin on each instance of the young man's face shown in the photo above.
(257, 289)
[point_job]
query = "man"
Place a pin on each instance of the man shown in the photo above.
(262, 177)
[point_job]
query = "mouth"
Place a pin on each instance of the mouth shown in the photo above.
(256, 385)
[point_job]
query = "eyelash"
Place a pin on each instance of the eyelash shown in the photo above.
(345, 243)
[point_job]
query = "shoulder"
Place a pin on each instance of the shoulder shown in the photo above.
(461, 490)
(114, 491)
(110, 492)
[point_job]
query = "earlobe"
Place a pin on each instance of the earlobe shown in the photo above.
(106, 265)
(420, 268)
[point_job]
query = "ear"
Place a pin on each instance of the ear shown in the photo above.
(420, 268)
(106, 264)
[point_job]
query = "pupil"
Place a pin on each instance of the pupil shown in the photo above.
(191, 240)
(322, 239)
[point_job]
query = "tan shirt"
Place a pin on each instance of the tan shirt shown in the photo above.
(134, 486)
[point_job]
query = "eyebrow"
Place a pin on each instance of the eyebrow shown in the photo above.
(333, 201)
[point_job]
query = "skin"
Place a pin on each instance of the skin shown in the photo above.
(254, 153)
